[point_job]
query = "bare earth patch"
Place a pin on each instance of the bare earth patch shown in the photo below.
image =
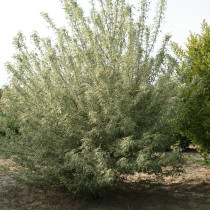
(190, 190)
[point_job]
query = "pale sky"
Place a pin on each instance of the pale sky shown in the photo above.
(182, 16)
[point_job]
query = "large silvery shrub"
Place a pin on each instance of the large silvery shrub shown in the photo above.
(96, 102)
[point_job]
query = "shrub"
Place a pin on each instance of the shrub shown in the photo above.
(95, 103)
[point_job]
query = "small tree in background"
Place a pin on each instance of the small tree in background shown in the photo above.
(1, 120)
(95, 103)
(6, 124)
(1, 92)
(194, 82)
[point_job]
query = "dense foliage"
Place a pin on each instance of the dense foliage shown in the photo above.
(95, 103)
(1, 92)
(1, 132)
(2, 120)
(194, 82)
(6, 124)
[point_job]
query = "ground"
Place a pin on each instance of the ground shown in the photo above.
(190, 190)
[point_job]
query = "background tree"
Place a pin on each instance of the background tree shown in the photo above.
(194, 81)
(2, 132)
(96, 102)
(1, 92)
(0, 111)
(7, 125)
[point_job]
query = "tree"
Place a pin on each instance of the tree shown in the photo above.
(95, 103)
(1, 91)
(2, 130)
(6, 124)
(194, 79)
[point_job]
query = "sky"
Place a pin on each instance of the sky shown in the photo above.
(182, 16)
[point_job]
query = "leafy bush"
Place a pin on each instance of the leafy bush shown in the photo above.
(95, 103)
(194, 80)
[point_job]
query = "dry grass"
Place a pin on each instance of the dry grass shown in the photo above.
(190, 190)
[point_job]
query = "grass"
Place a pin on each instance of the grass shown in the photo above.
(204, 162)
(4, 169)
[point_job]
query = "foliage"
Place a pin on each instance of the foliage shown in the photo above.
(182, 141)
(194, 82)
(1, 92)
(94, 103)
(6, 123)
(2, 132)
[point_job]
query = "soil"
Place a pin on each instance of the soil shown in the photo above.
(190, 190)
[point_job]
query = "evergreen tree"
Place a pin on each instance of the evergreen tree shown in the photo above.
(95, 103)
(194, 82)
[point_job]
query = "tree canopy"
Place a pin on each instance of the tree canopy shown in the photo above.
(194, 79)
